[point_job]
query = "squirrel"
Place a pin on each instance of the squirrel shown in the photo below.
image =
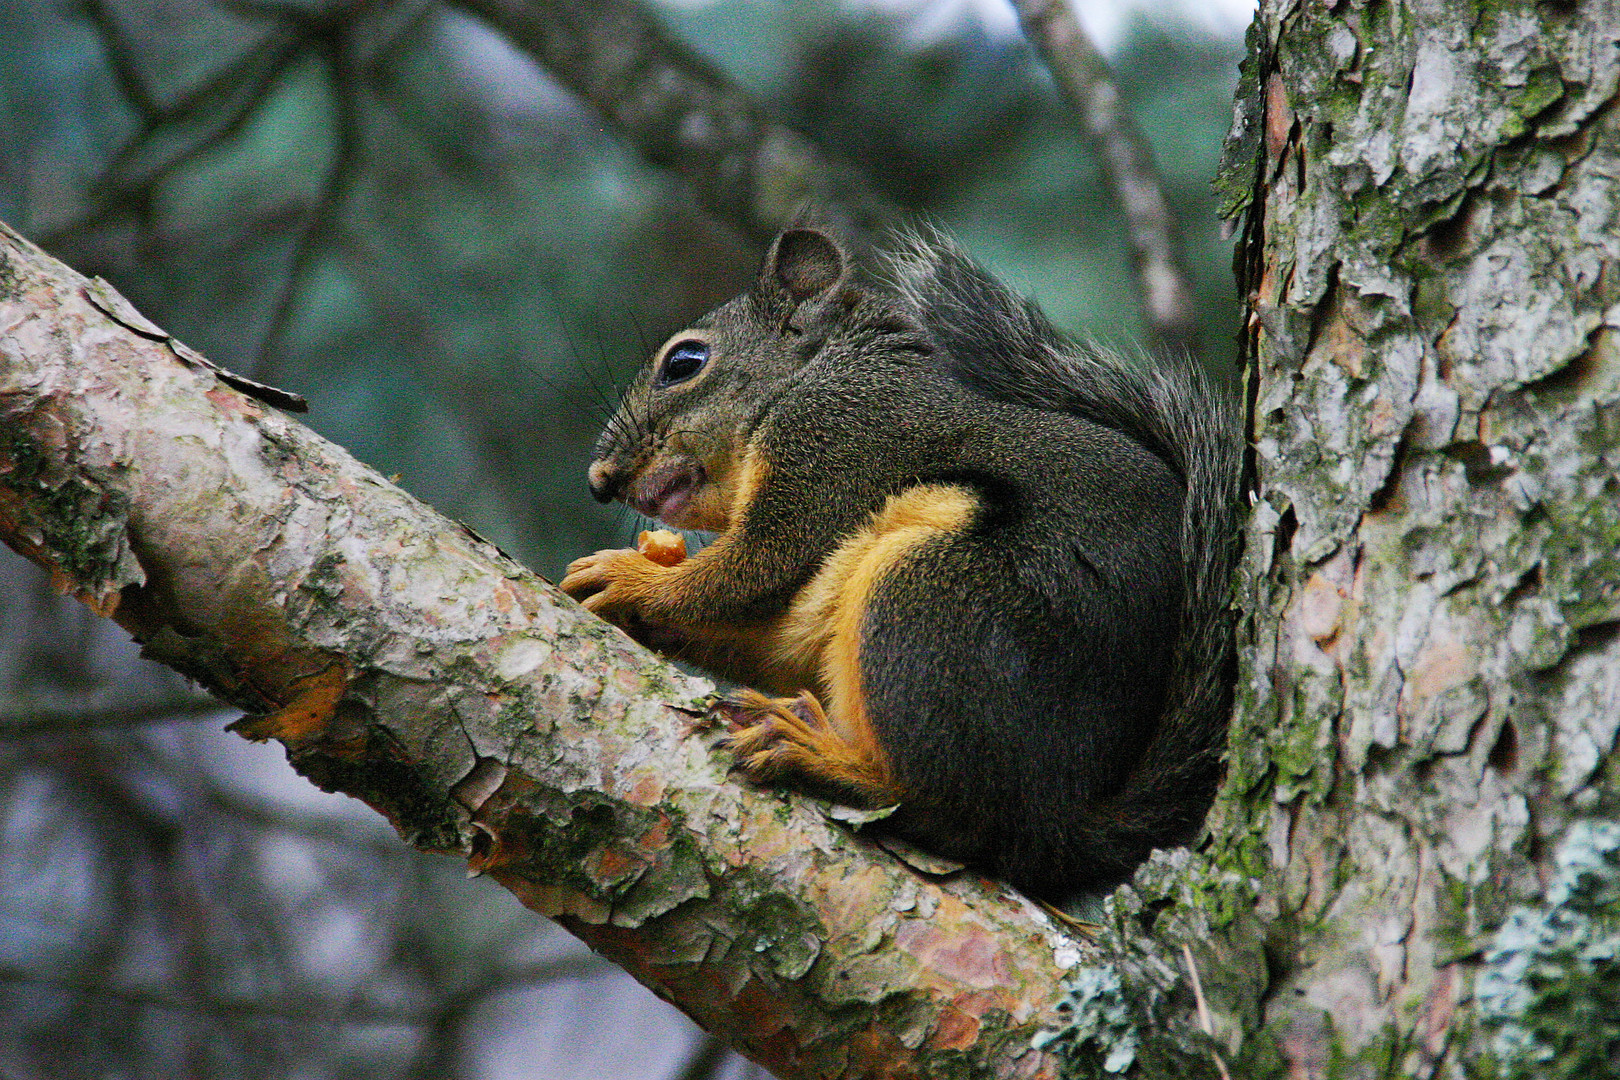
(981, 570)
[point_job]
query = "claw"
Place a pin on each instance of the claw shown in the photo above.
(741, 710)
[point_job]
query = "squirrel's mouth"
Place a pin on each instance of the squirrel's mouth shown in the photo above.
(665, 491)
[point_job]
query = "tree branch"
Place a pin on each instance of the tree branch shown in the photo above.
(315, 1010)
(680, 112)
(1083, 79)
(406, 662)
(325, 216)
(28, 723)
(171, 137)
(121, 60)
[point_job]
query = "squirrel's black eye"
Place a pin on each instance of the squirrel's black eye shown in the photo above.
(682, 362)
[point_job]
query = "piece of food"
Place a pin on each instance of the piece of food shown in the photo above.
(662, 546)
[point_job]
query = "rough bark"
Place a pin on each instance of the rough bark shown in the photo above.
(404, 661)
(1421, 771)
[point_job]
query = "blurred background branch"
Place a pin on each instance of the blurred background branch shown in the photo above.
(21, 723)
(1083, 78)
(682, 113)
(456, 227)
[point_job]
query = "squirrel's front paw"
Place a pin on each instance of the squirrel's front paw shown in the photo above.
(617, 584)
(610, 583)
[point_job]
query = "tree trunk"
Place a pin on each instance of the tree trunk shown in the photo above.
(1421, 763)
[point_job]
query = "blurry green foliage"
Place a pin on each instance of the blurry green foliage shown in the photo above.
(966, 129)
(403, 218)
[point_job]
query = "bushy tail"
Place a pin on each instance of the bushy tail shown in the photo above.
(1004, 346)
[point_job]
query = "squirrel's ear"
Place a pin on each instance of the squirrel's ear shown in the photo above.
(804, 264)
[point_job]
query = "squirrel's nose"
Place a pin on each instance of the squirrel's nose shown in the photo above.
(605, 480)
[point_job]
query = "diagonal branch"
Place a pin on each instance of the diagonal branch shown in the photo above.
(29, 723)
(1083, 79)
(313, 1010)
(404, 661)
(680, 112)
(325, 216)
(126, 69)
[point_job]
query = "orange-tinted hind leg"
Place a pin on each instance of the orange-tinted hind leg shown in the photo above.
(792, 740)
(835, 750)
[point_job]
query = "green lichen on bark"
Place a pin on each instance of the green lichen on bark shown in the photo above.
(1180, 980)
(1102, 1037)
(786, 934)
(83, 525)
(1235, 178)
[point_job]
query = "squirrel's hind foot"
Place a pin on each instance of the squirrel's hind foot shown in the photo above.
(792, 740)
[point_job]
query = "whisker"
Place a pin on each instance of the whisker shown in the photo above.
(604, 399)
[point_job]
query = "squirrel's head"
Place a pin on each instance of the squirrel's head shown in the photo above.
(676, 447)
